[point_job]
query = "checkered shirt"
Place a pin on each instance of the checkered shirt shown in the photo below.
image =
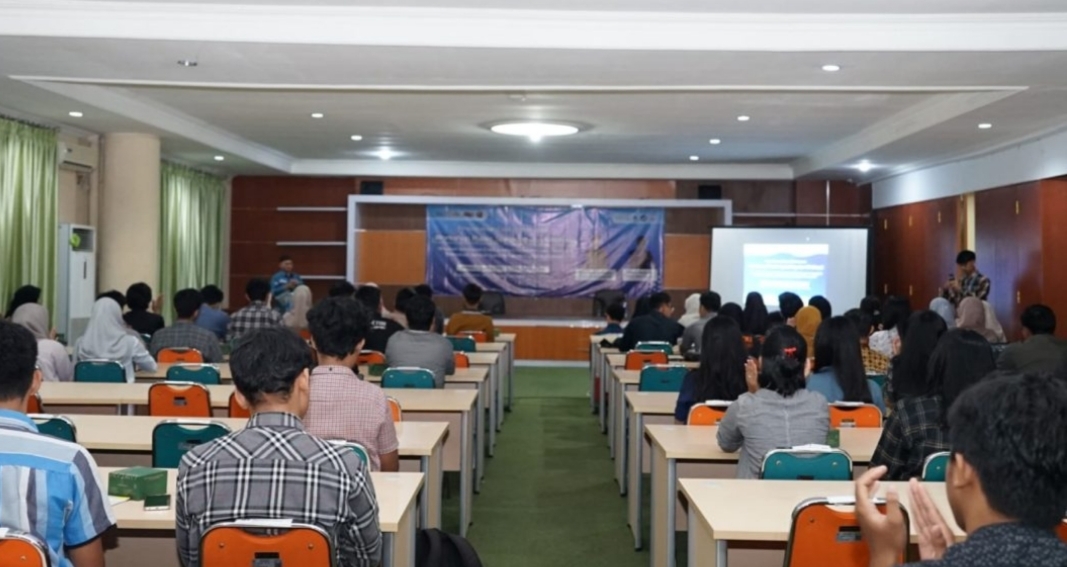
(258, 315)
(343, 406)
(974, 285)
(185, 334)
(273, 469)
(914, 431)
(874, 362)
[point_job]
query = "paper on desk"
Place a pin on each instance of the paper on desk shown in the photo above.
(117, 499)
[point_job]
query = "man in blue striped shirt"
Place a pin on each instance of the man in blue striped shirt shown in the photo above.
(49, 488)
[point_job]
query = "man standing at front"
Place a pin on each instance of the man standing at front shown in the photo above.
(283, 282)
(968, 281)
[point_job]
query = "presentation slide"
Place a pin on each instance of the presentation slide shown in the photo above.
(831, 262)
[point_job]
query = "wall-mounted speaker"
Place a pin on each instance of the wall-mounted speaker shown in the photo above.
(709, 192)
(371, 187)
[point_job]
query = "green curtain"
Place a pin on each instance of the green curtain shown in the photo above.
(190, 231)
(29, 183)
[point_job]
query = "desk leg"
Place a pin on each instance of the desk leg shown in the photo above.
(466, 483)
(664, 497)
(622, 447)
(498, 383)
(634, 477)
(430, 499)
(605, 380)
(479, 434)
(494, 407)
(704, 550)
(592, 377)
(511, 372)
(404, 540)
(388, 549)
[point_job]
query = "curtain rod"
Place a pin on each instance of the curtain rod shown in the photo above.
(27, 122)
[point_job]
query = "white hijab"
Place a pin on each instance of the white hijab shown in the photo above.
(34, 317)
(105, 337)
(297, 316)
(692, 310)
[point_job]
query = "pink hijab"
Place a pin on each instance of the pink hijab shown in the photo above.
(971, 316)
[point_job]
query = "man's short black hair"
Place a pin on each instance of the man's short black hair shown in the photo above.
(338, 325)
(1039, 319)
(257, 289)
(711, 301)
(18, 360)
(268, 361)
(371, 298)
(861, 320)
(284, 258)
(117, 296)
(212, 294)
(424, 290)
(403, 296)
(139, 296)
(186, 302)
(343, 288)
(965, 257)
(1013, 430)
(659, 299)
(472, 293)
(420, 311)
(789, 303)
(616, 312)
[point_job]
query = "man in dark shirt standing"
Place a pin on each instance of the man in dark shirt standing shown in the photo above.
(380, 327)
(656, 326)
(1006, 482)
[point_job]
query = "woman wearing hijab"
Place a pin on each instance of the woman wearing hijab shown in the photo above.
(300, 303)
(971, 316)
(993, 324)
(692, 310)
(808, 320)
(23, 295)
(52, 356)
(107, 338)
(945, 309)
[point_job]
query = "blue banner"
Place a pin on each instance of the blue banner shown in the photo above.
(544, 251)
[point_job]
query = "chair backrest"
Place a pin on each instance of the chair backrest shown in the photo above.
(370, 357)
(865, 415)
(407, 377)
(34, 404)
(1061, 531)
(172, 438)
(478, 336)
(636, 360)
(662, 378)
(110, 371)
(244, 541)
(200, 373)
(710, 412)
(235, 408)
(305, 334)
(462, 360)
(185, 355)
(179, 399)
(463, 344)
(655, 346)
(803, 464)
(356, 448)
(879, 379)
(605, 297)
(395, 409)
(934, 467)
(20, 549)
(492, 303)
(55, 425)
(824, 534)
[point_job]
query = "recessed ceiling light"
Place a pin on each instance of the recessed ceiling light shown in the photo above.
(831, 68)
(220, 158)
(694, 158)
(743, 118)
(187, 62)
(356, 137)
(75, 114)
(534, 130)
(985, 125)
(317, 115)
(714, 141)
(864, 166)
(385, 154)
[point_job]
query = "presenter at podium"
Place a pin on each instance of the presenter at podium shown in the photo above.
(283, 282)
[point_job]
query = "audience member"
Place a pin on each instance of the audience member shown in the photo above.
(106, 338)
(343, 288)
(257, 314)
(614, 314)
(789, 303)
(52, 357)
(643, 306)
(657, 326)
(873, 362)
(775, 319)
(732, 311)
(403, 296)
(917, 428)
(872, 305)
(22, 296)
(142, 316)
(51, 487)
(1006, 482)
(211, 316)
(296, 317)
(993, 324)
(908, 369)
(971, 316)
(1040, 352)
(895, 314)
(755, 318)
(807, 321)
(839, 374)
(115, 296)
(723, 365)
(691, 310)
(945, 309)
(273, 468)
(438, 316)
(709, 304)
(343, 406)
(968, 282)
(823, 305)
(381, 329)
(470, 319)
(419, 347)
(184, 333)
(283, 282)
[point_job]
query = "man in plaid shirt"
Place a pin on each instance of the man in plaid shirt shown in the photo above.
(273, 469)
(258, 314)
(969, 283)
(184, 333)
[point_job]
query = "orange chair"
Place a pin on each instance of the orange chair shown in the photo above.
(636, 360)
(369, 357)
(34, 405)
(462, 360)
(180, 355)
(478, 336)
(395, 409)
(241, 542)
(707, 413)
(305, 334)
(235, 408)
(854, 415)
(19, 549)
(179, 399)
(823, 534)
(1061, 531)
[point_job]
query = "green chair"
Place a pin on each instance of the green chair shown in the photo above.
(408, 377)
(205, 374)
(879, 379)
(172, 438)
(356, 448)
(55, 425)
(463, 344)
(662, 378)
(934, 467)
(110, 371)
(804, 464)
(655, 346)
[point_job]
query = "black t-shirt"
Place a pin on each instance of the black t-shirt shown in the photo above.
(144, 322)
(380, 331)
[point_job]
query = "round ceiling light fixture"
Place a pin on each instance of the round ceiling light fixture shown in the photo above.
(75, 114)
(714, 141)
(535, 131)
(220, 158)
(985, 126)
(831, 68)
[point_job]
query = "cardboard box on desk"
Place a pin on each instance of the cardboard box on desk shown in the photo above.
(136, 483)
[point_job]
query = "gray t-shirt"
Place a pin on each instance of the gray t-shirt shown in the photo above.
(424, 350)
(694, 335)
(757, 423)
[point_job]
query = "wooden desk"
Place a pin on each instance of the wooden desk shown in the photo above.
(161, 371)
(614, 360)
(596, 371)
(144, 534)
(724, 510)
(697, 447)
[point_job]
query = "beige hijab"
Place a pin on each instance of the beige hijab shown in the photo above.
(297, 316)
(971, 315)
(34, 317)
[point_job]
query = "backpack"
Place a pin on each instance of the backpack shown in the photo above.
(435, 548)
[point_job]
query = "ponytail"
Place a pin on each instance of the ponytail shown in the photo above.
(784, 355)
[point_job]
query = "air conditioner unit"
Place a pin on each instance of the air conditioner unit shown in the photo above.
(78, 154)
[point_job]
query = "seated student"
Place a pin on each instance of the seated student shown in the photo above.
(51, 488)
(656, 326)
(381, 328)
(211, 316)
(690, 310)
(709, 305)
(789, 304)
(142, 317)
(107, 338)
(781, 413)
(895, 316)
(754, 315)
(342, 405)
(823, 305)
(116, 296)
(723, 368)
(300, 302)
(614, 314)
(342, 288)
(257, 314)
(273, 468)
(470, 319)
(1040, 352)
(52, 357)
(417, 346)
(438, 316)
(839, 374)
(400, 305)
(873, 362)
(918, 426)
(184, 333)
(26, 294)
(1005, 483)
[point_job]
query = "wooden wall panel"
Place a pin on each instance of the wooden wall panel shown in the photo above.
(269, 192)
(686, 261)
(392, 257)
(1001, 243)
(1054, 254)
(551, 343)
(271, 225)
